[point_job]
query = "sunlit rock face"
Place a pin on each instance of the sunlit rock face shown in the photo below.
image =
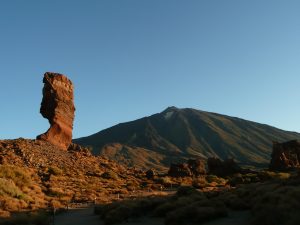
(58, 107)
(285, 155)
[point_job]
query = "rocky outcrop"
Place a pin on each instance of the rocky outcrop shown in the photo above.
(285, 155)
(194, 167)
(150, 174)
(197, 166)
(222, 168)
(58, 107)
(179, 170)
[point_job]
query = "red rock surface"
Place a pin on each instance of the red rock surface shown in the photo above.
(285, 155)
(58, 107)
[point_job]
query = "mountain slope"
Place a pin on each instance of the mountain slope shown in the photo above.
(177, 134)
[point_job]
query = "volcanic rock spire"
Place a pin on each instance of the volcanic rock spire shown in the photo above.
(58, 107)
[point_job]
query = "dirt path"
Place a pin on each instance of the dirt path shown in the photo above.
(78, 217)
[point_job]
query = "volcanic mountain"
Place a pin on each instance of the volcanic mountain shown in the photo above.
(176, 134)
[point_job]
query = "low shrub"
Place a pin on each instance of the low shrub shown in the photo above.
(110, 175)
(197, 212)
(275, 204)
(118, 212)
(55, 171)
(184, 197)
(9, 188)
(19, 176)
(216, 179)
(199, 182)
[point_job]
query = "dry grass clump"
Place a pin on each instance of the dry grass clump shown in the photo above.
(165, 181)
(110, 175)
(214, 180)
(200, 182)
(269, 175)
(190, 206)
(18, 175)
(9, 188)
(17, 190)
(54, 170)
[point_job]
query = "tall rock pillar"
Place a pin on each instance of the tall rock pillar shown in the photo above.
(58, 107)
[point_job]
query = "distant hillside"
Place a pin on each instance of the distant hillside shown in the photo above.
(177, 134)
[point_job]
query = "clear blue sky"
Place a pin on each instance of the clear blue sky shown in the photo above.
(133, 58)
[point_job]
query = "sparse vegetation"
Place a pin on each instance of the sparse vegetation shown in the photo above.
(110, 175)
(33, 218)
(200, 182)
(9, 188)
(270, 196)
(271, 203)
(54, 170)
(20, 176)
(118, 212)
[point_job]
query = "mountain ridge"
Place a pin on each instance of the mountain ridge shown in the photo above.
(177, 134)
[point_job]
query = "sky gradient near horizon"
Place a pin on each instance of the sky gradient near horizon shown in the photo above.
(130, 59)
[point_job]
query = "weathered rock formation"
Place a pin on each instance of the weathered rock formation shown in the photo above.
(194, 167)
(222, 168)
(58, 107)
(179, 170)
(285, 155)
(150, 174)
(197, 166)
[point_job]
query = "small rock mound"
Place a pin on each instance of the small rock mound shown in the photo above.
(193, 167)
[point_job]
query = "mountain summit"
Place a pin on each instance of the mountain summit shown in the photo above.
(177, 134)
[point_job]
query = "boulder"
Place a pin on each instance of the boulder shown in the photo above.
(222, 168)
(193, 167)
(197, 166)
(73, 147)
(179, 170)
(58, 107)
(285, 156)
